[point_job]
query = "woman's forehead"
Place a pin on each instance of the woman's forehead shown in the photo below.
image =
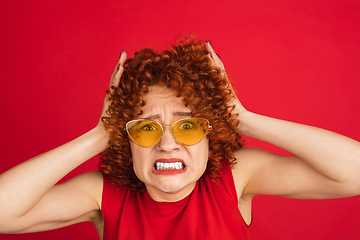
(162, 96)
(159, 92)
(161, 101)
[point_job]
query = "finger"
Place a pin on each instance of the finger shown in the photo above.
(219, 57)
(119, 69)
(208, 45)
(208, 48)
(214, 57)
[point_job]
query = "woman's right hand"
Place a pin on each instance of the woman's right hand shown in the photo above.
(114, 82)
(48, 206)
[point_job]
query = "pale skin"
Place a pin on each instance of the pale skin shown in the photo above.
(323, 165)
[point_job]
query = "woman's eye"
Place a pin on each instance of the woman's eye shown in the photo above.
(186, 126)
(148, 128)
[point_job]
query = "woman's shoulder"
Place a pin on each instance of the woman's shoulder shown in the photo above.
(245, 158)
(248, 159)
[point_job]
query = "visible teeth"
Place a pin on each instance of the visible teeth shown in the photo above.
(165, 166)
(177, 165)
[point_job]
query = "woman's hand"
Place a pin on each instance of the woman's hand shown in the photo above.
(216, 60)
(48, 206)
(324, 164)
(114, 82)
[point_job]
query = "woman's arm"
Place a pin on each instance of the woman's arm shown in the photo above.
(30, 201)
(24, 186)
(324, 164)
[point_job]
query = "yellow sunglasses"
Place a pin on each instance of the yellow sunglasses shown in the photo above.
(188, 131)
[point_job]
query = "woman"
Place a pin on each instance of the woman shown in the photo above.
(173, 163)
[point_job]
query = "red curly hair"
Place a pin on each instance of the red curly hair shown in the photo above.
(186, 69)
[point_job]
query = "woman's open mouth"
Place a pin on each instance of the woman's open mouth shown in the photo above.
(169, 166)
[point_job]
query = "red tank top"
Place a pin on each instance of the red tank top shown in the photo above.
(209, 212)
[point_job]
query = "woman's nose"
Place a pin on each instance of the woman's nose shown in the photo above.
(168, 142)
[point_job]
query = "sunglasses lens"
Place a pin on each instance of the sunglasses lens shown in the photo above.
(191, 131)
(145, 133)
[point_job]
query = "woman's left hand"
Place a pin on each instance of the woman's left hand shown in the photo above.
(323, 165)
(216, 60)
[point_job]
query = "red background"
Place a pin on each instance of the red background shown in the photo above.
(294, 60)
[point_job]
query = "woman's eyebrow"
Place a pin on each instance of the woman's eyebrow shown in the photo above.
(181, 114)
(152, 117)
(185, 114)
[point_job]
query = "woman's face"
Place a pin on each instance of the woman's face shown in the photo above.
(168, 185)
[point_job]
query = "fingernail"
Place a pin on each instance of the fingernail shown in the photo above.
(121, 53)
(118, 66)
(218, 56)
(210, 44)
